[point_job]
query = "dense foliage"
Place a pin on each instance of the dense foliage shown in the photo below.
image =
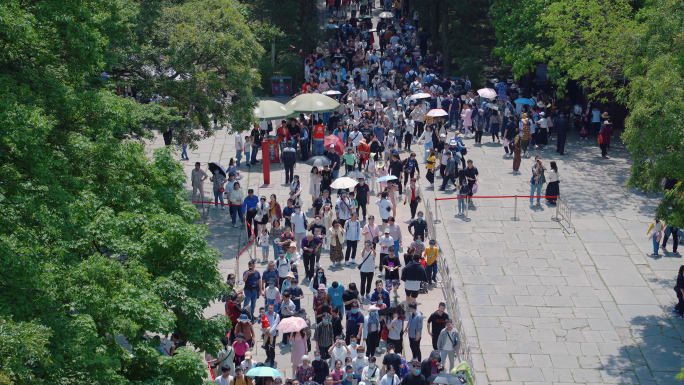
(97, 240)
(629, 51)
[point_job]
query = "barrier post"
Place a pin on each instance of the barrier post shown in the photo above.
(515, 209)
(266, 160)
(467, 206)
(557, 208)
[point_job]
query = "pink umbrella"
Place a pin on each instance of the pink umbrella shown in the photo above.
(291, 325)
(336, 141)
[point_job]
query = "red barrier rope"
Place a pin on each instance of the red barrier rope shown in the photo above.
(502, 196)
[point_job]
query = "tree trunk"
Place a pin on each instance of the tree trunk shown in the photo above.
(445, 37)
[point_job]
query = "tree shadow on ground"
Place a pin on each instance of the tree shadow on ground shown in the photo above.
(653, 351)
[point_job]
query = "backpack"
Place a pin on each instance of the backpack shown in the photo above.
(289, 158)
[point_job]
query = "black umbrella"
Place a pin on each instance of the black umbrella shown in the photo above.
(444, 378)
(356, 175)
(311, 383)
(318, 161)
(215, 166)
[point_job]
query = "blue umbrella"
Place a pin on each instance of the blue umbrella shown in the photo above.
(387, 178)
(263, 371)
(331, 26)
(529, 102)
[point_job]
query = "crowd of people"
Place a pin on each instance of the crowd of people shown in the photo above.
(387, 82)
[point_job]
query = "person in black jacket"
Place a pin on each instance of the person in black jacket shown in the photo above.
(509, 133)
(415, 375)
(289, 156)
(561, 125)
(432, 365)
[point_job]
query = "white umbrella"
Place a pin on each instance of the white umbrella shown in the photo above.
(437, 112)
(312, 103)
(487, 93)
(386, 178)
(343, 182)
(271, 110)
(332, 92)
(418, 96)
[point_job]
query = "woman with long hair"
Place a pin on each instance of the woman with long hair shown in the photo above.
(552, 188)
(315, 183)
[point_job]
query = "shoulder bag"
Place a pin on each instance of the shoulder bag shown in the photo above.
(364, 260)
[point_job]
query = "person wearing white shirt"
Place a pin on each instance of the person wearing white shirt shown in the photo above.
(298, 225)
(371, 372)
(385, 207)
(225, 378)
(390, 378)
(352, 235)
(360, 361)
(362, 94)
(367, 268)
(239, 148)
(385, 242)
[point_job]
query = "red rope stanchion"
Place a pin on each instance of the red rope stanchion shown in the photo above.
(499, 196)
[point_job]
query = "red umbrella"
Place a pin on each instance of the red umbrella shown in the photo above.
(335, 140)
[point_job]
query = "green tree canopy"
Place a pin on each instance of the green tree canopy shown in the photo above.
(97, 240)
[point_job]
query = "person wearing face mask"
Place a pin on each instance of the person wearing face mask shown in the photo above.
(418, 226)
(415, 375)
(296, 293)
(353, 346)
(390, 378)
(354, 325)
(432, 365)
(272, 294)
(321, 369)
(371, 373)
(360, 361)
(339, 351)
(348, 378)
(448, 344)
(371, 330)
(321, 300)
(323, 336)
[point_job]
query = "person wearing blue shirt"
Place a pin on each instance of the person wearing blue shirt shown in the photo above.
(304, 142)
(249, 208)
(270, 273)
(335, 292)
(335, 161)
(380, 293)
(354, 323)
(379, 133)
(288, 211)
(296, 293)
(252, 280)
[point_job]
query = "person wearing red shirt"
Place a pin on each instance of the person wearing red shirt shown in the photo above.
(319, 138)
(283, 137)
